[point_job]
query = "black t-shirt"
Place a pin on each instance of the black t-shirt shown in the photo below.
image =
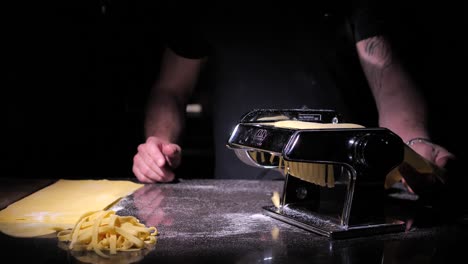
(276, 56)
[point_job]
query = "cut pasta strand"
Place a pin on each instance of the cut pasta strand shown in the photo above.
(320, 174)
(105, 231)
(316, 173)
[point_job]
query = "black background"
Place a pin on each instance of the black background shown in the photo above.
(77, 76)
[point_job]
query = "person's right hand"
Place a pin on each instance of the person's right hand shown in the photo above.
(155, 160)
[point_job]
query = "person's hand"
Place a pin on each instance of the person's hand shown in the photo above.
(155, 160)
(437, 156)
(434, 153)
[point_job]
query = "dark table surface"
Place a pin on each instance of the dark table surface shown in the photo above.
(222, 221)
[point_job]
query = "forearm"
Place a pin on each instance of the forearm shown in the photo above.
(400, 105)
(169, 96)
(165, 117)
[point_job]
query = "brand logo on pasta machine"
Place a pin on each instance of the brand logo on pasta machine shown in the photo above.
(259, 136)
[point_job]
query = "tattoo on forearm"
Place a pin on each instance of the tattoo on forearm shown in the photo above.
(379, 54)
(374, 76)
(379, 49)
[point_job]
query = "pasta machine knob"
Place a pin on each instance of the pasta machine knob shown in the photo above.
(382, 151)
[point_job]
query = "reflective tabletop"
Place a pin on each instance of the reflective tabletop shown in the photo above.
(222, 221)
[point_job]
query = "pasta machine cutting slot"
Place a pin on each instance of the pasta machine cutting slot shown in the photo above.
(334, 172)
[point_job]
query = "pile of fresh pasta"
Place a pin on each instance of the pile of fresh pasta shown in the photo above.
(100, 231)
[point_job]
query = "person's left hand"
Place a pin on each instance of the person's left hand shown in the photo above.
(434, 153)
(437, 156)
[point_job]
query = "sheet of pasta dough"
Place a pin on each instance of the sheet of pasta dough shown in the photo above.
(313, 125)
(60, 205)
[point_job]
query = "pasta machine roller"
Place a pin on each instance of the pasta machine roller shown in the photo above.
(334, 171)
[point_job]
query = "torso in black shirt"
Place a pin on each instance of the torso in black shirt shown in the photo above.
(274, 57)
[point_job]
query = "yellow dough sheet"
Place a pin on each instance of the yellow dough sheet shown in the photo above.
(60, 205)
(313, 125)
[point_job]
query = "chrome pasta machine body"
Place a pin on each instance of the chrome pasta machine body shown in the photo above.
(334, 172)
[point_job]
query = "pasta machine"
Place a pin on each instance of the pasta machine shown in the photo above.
(334, 172)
